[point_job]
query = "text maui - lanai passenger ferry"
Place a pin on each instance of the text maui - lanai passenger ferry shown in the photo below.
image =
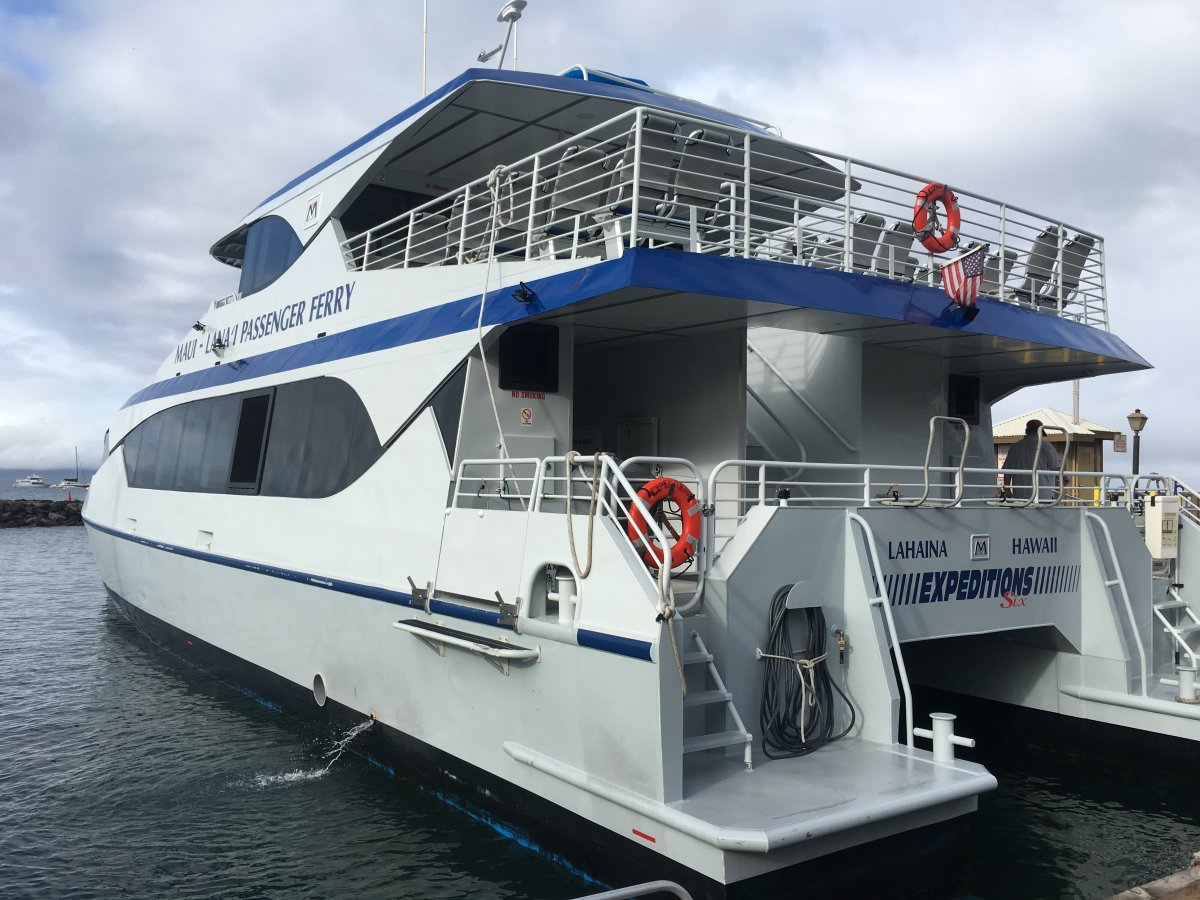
(625, 461)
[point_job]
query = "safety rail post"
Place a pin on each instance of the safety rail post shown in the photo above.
(1103, 281)
(746, 169)
(1061, 234)
(366, 251)
(466, 216)
(635, 206)
(533, 185)
(1119, 581)
(881, 599)
(847, 250)
(1000, 274)
(412, 221)
(867, 487)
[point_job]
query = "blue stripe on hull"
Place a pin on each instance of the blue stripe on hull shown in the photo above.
(596, 640)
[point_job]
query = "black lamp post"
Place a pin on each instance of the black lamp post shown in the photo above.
(1137, 421)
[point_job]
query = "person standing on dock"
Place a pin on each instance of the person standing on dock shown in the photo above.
(1018, 465)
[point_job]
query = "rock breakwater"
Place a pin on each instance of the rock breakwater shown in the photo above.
(40, 513)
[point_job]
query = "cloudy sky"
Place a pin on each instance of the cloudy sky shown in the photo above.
(133, 133)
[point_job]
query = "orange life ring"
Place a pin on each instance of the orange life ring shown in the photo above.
(925, 220)
(654, 494)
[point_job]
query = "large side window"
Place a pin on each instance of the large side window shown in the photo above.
(309, 438)
(250, 442)
(322, 439)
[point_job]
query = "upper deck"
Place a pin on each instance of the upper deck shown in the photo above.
(659, 172)
(588, 168)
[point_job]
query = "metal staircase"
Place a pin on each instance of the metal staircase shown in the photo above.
(716, 694)
(1180, 628)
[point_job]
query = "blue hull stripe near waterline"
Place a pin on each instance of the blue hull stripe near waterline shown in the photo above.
(746, 280)
(596, 640)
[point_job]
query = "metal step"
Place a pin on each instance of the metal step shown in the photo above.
(1171, 604)
(1185, 630)
(692, 657)
(713, 741)
(700, 698)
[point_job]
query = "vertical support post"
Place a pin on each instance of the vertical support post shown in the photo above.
(847, 256)
(762, 485)
(1000, 261)
(639, 117)
(1061, 234)
(1103, 282)
(412, 220)
(746, 195)
(866, 487)
(462, 229)
(366, 252)
(533, 189)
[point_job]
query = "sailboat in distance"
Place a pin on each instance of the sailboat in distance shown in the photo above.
(73, 484)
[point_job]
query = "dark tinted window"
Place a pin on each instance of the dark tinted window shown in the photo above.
(271, 248)
(248, 447)
(321, 439)
(529, 358)
(317, 435)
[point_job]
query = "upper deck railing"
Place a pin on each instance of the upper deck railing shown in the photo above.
(644, 179)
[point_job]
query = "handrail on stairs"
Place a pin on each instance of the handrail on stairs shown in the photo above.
(1119, 581)
(881, 599)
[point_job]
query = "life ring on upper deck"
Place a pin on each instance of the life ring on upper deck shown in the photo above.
(655, 494)
(925, 218)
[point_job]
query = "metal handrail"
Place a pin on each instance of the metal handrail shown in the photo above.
(612, 482)
(881, 599)
(701, 556)
(958, 472)
(748, 194)
(1119, 580)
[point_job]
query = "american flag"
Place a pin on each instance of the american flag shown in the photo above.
(962, 277)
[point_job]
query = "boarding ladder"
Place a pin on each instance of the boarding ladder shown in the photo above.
(1168, 613)
(699, 656)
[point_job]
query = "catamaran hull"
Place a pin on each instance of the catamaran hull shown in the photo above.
(932, 860)
(432, 718)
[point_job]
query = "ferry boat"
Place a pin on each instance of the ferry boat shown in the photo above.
(30, 481)
(627, 462)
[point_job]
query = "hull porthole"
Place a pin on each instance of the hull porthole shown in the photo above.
(319, 689)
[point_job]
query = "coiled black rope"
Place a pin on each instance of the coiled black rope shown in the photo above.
(796, 716)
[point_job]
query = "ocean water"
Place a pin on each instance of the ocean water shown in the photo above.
(124, 772)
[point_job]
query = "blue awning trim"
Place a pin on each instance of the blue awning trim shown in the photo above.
(741, 279)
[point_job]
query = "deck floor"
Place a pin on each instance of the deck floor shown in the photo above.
(847, 778)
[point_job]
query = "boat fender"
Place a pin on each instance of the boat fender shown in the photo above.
(654, 494)
(925, 219)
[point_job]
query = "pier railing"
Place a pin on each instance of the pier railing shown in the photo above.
(646, 178)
